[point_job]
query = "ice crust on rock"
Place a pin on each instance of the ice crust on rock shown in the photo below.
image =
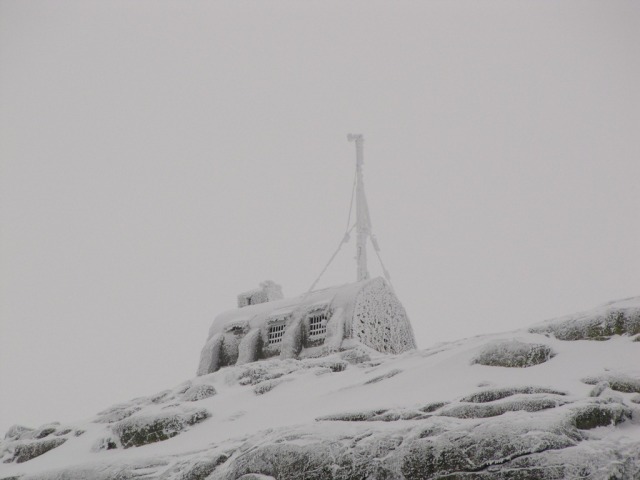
(266, 386)
(488, 444)
(493, 394)
(199, 392)
(493, 409)
(599, 389)
(616, 381)
(379, 378)
(621, 317)
(117, 413)
(355, 356)
(16, 432)
(22, 444)
(28, 450)
(589, 416)
(514, 354)
(425, 417)
(256, 476)
(144, 429)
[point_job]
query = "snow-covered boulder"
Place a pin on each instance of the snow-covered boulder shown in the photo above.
(513, 353)
(16, 432)
(621, 317)
(144, 429)
(492, 394)
(589, 416)
(199, 392)
(616, 381)
(358, 413)
(30, 449)
(493, 409)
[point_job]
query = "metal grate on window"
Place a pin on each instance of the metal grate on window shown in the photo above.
(317, 324)
(276, 333)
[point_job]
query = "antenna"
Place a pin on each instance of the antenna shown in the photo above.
(363, 222)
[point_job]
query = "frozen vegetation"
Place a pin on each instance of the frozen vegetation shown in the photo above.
(520, 405)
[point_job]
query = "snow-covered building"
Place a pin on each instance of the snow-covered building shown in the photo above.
(311, 325)
(319, 322)
(268, 292)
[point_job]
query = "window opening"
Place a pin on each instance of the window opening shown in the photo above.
(318, 324)
(275, 334)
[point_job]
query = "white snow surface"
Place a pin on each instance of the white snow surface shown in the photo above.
(294, 393)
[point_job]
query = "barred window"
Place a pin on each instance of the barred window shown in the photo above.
(317, 324)
(276, 333)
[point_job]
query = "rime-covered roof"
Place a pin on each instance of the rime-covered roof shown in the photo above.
(256, 315)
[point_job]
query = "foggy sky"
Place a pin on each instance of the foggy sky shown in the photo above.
(157, 158)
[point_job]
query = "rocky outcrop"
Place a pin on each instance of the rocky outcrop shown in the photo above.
(484, 410)
(29, 450)
(144, 429)
(493, 394)
(616, 381)
(199, 392)
(616, 318)
(513, 353)
(472, 409)
(22, 444)
(591, 416)
(434, 447)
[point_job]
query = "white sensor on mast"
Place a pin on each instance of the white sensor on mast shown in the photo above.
(363, 222)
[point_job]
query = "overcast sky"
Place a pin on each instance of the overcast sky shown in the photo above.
(157, 158)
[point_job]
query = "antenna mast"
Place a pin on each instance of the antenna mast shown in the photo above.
(362, 225)
(363, 222)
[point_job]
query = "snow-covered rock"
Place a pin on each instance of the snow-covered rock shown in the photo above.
(141, 430)
(434, 413)
(616, 381)
(513, 353)
(199, 392)
(621, 317)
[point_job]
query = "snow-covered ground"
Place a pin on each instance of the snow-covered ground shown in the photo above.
(413, 415)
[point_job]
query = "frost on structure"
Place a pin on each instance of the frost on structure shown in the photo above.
(268, 292)
(380, 321)
(315, 324)
(210, 356)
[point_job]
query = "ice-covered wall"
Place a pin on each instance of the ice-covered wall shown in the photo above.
(380, 321)
(367, 312)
